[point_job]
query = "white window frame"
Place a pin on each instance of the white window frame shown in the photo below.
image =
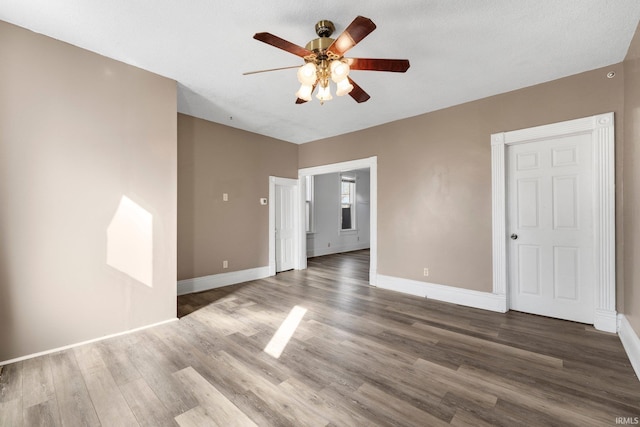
(310, 204)
(354, 225)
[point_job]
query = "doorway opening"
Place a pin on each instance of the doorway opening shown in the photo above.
(341, 216)
(337, 212)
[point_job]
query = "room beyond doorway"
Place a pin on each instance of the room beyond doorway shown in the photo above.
(371, 164)
(337, 212)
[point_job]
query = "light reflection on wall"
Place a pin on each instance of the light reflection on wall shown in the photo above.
(284, 333)
(130, 241)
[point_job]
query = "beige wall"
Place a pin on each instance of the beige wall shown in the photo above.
(79, 131)
(214, 159)
(434, 173)
(632, 183)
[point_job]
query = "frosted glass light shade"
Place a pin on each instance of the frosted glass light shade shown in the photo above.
(304, 92)
(339, 70)
(324, 94)
(307, 74)
(344, 87)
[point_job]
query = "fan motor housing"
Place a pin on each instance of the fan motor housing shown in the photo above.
(319, 45)
(324, 29)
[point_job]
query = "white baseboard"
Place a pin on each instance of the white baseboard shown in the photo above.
(630, 342)
(460, 296)
(66, 347)
(213, 281)
(311, 252)
(605, 320)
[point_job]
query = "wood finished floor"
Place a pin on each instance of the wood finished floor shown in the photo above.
(360, 356)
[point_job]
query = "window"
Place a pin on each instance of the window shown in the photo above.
(348, 203)
(309, 204)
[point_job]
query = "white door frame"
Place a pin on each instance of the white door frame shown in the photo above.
(372, 164)
(601, 127)
(287, 182)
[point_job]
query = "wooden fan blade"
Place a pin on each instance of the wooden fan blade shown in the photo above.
(352, 35)
(393, 65)
(271, 69)
(280, 43)
(358, 93)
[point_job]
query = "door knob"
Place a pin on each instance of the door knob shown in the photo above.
(514, 236)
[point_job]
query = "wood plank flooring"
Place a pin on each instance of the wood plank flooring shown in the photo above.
(360, 356)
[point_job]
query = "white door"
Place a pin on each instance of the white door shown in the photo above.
(551, 227)
(284, 227)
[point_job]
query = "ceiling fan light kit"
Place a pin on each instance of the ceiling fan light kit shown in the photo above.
(324, 61)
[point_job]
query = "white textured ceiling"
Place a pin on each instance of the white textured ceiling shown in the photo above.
(460, 50)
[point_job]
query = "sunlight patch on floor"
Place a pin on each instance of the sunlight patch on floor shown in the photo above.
(285, 332)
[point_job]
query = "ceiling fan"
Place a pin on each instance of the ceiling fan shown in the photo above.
(324, 60)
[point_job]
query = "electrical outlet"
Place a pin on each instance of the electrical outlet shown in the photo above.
(225, 197)
(426, 271)
(329, 244)
(225, 264)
